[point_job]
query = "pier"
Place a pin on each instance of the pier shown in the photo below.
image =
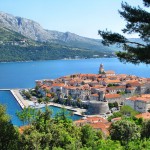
(26, 103)
(15, 92)
(5, 89)
(23, 103)
(17, 98)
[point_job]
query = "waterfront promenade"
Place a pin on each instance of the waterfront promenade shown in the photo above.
(23, 103)
(77, 111)
(26, 103)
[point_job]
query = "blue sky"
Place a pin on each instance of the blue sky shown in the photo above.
(83, 17)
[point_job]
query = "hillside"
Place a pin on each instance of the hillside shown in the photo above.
(9, 37)
(33, 30)
(16, 47)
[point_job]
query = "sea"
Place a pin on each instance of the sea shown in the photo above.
(24, 74)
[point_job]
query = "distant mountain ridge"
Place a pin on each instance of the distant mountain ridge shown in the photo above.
(33, 30)
(16, 47)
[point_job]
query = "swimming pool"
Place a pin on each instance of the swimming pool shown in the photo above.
(7, 99)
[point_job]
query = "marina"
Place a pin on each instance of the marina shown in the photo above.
(15, 102)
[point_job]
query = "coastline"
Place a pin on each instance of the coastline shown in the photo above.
(25, 103)
(19, 98)
(76, 111)
(52, 60)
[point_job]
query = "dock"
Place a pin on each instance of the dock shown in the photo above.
(76, 111)
(23, 103)
(26, 103)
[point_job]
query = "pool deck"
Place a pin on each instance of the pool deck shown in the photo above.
(26, 103)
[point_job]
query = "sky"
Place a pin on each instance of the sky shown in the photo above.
(82, 17)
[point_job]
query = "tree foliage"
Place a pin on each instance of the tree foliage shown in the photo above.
(139, 144)
(125, 111)
(138, 21)
(146, 129)
(8, 133)
(59, 133)
(26, 115)
(124, 131)
(128, 111)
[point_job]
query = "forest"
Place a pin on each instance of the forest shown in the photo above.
(16, 47)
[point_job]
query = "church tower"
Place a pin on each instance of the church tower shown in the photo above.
(101, 69)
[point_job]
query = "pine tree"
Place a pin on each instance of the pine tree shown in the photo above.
(138, 21)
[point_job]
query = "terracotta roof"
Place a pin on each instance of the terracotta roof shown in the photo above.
(95, 122)
(96, 119)
(91, 120)
(143, 115)
(115, 119)
(80, 122)
(112, 81)
(88, 75)
(22, 128)
(87, 81)
(45, 87)
(116, 87)
(121, 75)
(71, 87)
(95, 81)
(95, 95)
(133, 98)
(98, 125)
(58, 84)
(133, 83)
(143, 97)
(101, 126)
(110, 72)
(111, 96)
(48, 95)
(99, 87)
(131, 88)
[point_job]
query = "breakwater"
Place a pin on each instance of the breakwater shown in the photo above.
(18, 98)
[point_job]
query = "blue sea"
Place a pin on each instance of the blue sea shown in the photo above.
(24, 74)
(12, 106)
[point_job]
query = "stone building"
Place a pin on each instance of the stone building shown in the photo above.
(98, 107)
(139, 103)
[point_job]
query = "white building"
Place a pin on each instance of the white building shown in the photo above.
(139, 103)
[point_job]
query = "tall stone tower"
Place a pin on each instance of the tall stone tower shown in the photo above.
(101, 69)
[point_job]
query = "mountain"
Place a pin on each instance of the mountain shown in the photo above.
(16, 47)
(33, 30)
(9, 37)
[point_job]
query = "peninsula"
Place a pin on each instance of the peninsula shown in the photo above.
(98, 93)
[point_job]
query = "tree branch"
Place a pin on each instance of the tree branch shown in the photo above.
(136, 43)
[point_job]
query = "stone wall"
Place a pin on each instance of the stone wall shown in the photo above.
(98, 107)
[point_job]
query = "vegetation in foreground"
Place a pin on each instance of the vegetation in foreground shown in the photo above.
(59, 133)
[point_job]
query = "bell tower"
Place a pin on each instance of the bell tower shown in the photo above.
(101, 69)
